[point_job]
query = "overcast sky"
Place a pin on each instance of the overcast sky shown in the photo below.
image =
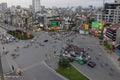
(59, 3)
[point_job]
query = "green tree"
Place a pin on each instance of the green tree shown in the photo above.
(107, 45)
(91, 20)
(119, 60)
(64, 63)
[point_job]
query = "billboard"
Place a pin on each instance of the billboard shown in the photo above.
(97, 25)
(54, 23)
(86, 26)
(97, 28)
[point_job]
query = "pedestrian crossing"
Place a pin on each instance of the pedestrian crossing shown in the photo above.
(11, 78)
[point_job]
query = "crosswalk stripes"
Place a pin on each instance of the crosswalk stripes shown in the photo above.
(11, 76)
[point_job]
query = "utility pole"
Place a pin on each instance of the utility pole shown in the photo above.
(1, 70)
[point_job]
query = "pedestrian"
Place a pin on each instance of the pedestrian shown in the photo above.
(46, 55)
(12, 67)
(60, 51)
(87, 54)
(20, 74)
(17, 47)
(19, 71)
(54, 52)
(88, 48)
(110, 52)
(3, 47)
(113, 47)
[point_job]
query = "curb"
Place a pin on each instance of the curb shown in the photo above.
(64, 78)
(80, 71)
(8, 73)
(109, 57)
(8, 64)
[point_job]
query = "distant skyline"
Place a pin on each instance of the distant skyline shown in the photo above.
(58, 3)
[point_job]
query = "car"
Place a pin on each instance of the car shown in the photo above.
(76, 59)
(79, 60)
(73, 55)
(91, 64)
(45, 40)
(86, 59)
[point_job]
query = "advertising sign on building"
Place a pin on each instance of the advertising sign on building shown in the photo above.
(97, 27)
(86, 26)
(54, 23)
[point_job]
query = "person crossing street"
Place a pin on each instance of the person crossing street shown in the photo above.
(19, 71)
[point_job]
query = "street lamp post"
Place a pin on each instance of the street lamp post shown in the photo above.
(1, 70)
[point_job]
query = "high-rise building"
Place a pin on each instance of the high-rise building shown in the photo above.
(3, 6)
(18, 7)
(30, 6)
(36, 5)
(0, 7)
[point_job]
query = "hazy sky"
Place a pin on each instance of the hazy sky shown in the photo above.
(64, 3)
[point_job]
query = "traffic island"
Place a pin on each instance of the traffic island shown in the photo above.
(68, 71)
(71, 73)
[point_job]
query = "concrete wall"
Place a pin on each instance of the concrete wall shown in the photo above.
(118, 36)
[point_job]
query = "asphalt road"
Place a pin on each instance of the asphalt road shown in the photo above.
(104, 70)
(33, 57)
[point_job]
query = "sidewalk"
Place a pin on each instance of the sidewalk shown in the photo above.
(113, 57)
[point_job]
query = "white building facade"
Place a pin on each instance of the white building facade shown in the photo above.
(36, 5)
(112, 12)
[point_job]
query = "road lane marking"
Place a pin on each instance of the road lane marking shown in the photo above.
(32, 66)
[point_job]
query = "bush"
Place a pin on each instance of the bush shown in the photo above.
(64, 63)
(20, 34)
(105, 42)
(19, 31)
(107, 45)
(100, 37)
(119, 59)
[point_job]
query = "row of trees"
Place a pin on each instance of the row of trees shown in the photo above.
(20, 34)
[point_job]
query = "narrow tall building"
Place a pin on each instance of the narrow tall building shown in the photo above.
(36, 5)
(117, 1)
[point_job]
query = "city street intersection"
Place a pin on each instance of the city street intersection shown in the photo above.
(38, 59)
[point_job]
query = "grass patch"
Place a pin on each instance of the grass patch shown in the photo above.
(71, 73)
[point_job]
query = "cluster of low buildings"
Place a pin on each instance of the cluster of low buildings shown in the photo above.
(103, 21)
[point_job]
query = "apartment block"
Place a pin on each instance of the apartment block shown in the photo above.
(111, 12)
